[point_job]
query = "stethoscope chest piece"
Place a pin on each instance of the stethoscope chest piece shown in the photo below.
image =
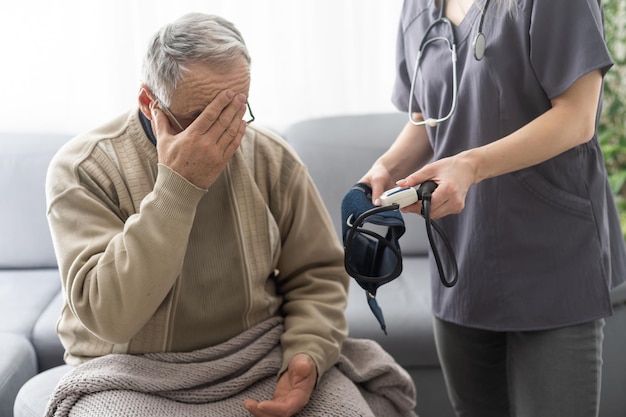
(479, 46)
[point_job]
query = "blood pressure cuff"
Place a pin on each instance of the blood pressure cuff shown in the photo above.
(371, 258)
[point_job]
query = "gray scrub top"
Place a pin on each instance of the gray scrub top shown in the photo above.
(541, 247)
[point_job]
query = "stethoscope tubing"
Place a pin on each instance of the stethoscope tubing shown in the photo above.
(478, 51)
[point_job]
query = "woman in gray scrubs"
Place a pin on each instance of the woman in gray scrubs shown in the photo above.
(509, 136)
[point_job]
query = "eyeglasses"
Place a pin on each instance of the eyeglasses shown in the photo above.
(169, 114)
(451, 45)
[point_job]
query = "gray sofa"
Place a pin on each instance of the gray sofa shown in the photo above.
(29, 279)
(337, 151)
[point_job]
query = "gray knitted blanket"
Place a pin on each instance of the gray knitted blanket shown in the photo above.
(366, 381)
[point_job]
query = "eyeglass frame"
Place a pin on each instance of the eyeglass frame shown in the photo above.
(169, 113)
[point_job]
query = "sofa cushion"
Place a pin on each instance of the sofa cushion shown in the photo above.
(339, 150)
(24, 160)
(24, 295)
(45, 338)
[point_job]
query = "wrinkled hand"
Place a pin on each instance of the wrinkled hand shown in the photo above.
(453, 177)
(201, 151)
(292, 393)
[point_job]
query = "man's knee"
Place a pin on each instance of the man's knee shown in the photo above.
(33, 397)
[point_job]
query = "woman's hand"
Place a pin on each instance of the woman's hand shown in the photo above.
(379, 179)
(453, 175)
(410, 151)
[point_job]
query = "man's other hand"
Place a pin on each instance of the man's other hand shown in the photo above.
(293, 390)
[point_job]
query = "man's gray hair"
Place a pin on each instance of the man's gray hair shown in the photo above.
(195, 37)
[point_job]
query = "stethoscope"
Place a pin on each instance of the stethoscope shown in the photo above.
(478, 45)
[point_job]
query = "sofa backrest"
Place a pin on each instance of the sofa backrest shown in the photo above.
(339, 150)
(24, 234)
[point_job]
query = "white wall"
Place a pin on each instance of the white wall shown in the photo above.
(70, 65)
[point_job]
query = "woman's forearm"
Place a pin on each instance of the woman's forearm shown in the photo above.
(569, 123)
(410, 151)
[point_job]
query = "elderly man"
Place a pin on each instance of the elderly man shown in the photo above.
(178, 227)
